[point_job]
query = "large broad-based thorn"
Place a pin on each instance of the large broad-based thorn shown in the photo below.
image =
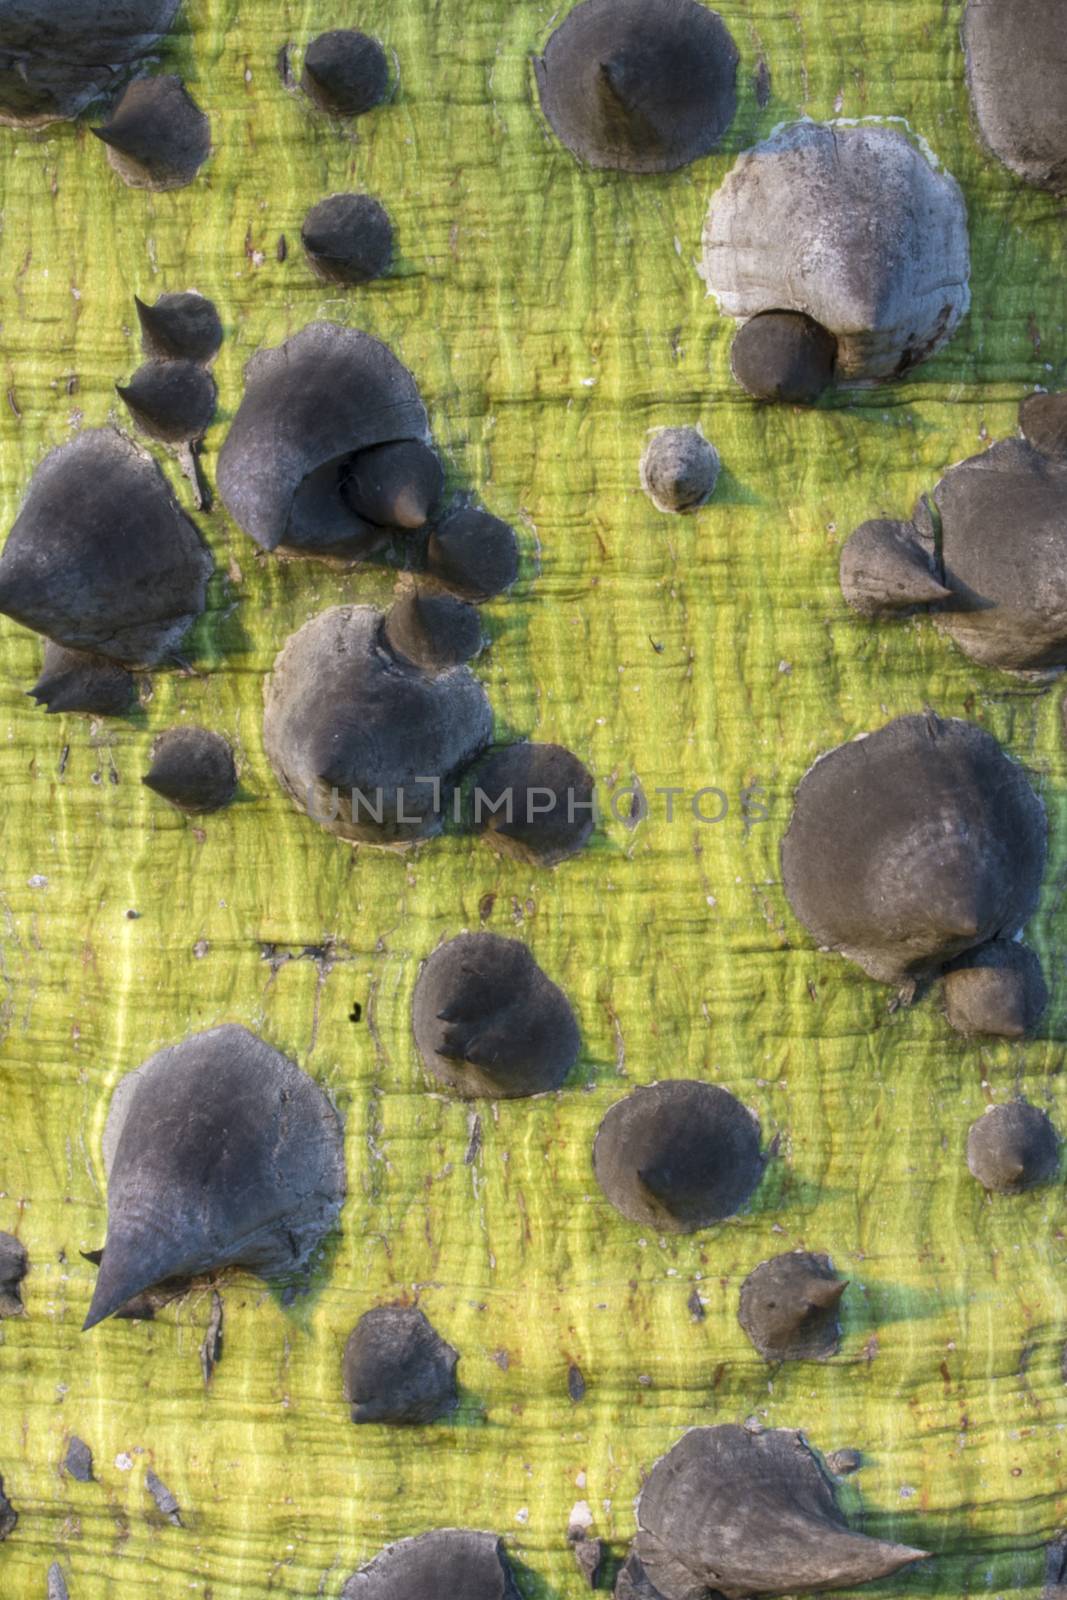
(398, 1369)
(158, 138)
(1013, 1147)
(998, 989)
(220, 1152)
(432, 631)
(788, 1307)
(645, 87)
(473, 553)
(173, 401)
(75, 680)
(678, 1155)
(348, 239)
(1014, 55)
(824, 241)
(57, 56)
(394, 485)
(749, 1513)
(309, 407)
(137, 1255)
(180, 327)
(785, 356)
(456, 1562)
(101, 558)
(194, 769)
(886, 570)
(488, 1022)
(345, 72)
(345, 713)
(913, 843)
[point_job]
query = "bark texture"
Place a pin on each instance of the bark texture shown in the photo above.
(551, 316)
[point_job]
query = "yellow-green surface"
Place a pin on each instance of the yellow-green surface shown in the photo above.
(551, 317)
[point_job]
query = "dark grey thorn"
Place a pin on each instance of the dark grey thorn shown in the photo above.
(157, 138)
(194, 769)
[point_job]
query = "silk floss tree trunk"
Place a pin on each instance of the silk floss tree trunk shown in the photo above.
(530, 1016)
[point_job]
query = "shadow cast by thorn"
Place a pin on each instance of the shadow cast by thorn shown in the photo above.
(402, 269)
(530, 1584)
(464, 825)
(1052, 1029)
(504, 622)
(136, 718)
(471, 1412)
(243, 796)
(225, 635)
(959, 1563)
(612, 1561)
(218, 632)
(730, 491)
(869, 407)
(756, 117)
(782, 1188)
(870, 1306)
(298, 1296)
(589, 1070)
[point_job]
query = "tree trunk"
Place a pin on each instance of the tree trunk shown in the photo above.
(551, 317)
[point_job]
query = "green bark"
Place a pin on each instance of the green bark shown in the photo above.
(551, 316)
